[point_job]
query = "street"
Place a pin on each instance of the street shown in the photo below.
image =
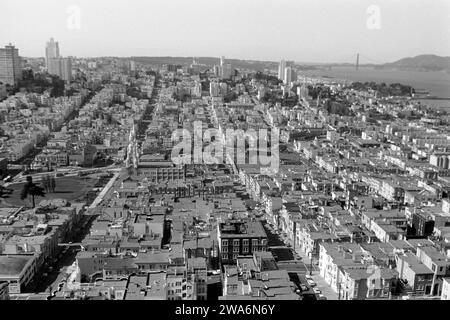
(57, 272)
(280, 246)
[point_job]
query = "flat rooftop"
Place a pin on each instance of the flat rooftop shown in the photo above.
(12, 265)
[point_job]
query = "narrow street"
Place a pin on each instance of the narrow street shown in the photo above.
(50, 277)
(283, 250)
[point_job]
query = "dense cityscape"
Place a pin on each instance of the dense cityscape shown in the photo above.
(352, 202)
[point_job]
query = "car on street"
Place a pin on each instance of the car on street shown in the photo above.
(317, 291)
(321, 297)
(312, 283)
(303, 287)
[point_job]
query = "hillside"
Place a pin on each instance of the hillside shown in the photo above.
(426, 62)
(209, 61)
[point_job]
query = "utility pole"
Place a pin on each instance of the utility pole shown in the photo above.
(357, 61)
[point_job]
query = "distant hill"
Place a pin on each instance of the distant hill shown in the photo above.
(425, 62)
(208, 61)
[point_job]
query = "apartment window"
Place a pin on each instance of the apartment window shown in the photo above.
(235, 249)
(245, 249)
(236, 242)
(235, 256)
(224, 249)
(224, 243)
(224, 256)
(245, 242)
(254, 242)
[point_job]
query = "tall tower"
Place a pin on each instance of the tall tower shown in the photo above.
(357, 61)
(57, 65)
(10, 65)
(281, 71)
(51, 51)
(287, 75)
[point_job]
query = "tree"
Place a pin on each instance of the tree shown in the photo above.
(31, 189)
(52, 183)
(46, 181)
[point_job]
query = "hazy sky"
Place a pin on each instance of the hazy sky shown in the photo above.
(301, 30)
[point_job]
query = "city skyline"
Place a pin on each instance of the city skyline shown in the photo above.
(327, 32)
(239, 154)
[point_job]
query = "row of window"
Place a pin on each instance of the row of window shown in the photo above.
(245, 242)
(225, 255)
(174, 291)
(174, 284)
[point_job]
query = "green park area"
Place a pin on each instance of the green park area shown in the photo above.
(68, 188)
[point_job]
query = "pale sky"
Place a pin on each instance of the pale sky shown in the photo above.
(300, 30)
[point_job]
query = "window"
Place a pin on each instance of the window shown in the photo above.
(245, 242)
(224, 243)
(254, 242)
(236, 242)
(224, 249)
(224, 256)
(235, 249)
(245, 249)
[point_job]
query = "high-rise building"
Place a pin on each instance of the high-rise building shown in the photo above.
(214, 89)
(10, 65)
(216, 70)
(289, 75)
(61, 67)
(51, 51)
(66, 69)
(57, 65)
(281, 71)
(226, 71)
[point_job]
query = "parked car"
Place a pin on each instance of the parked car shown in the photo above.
(317, 291)
(322, 297)
(303, 287)
(312, 283)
